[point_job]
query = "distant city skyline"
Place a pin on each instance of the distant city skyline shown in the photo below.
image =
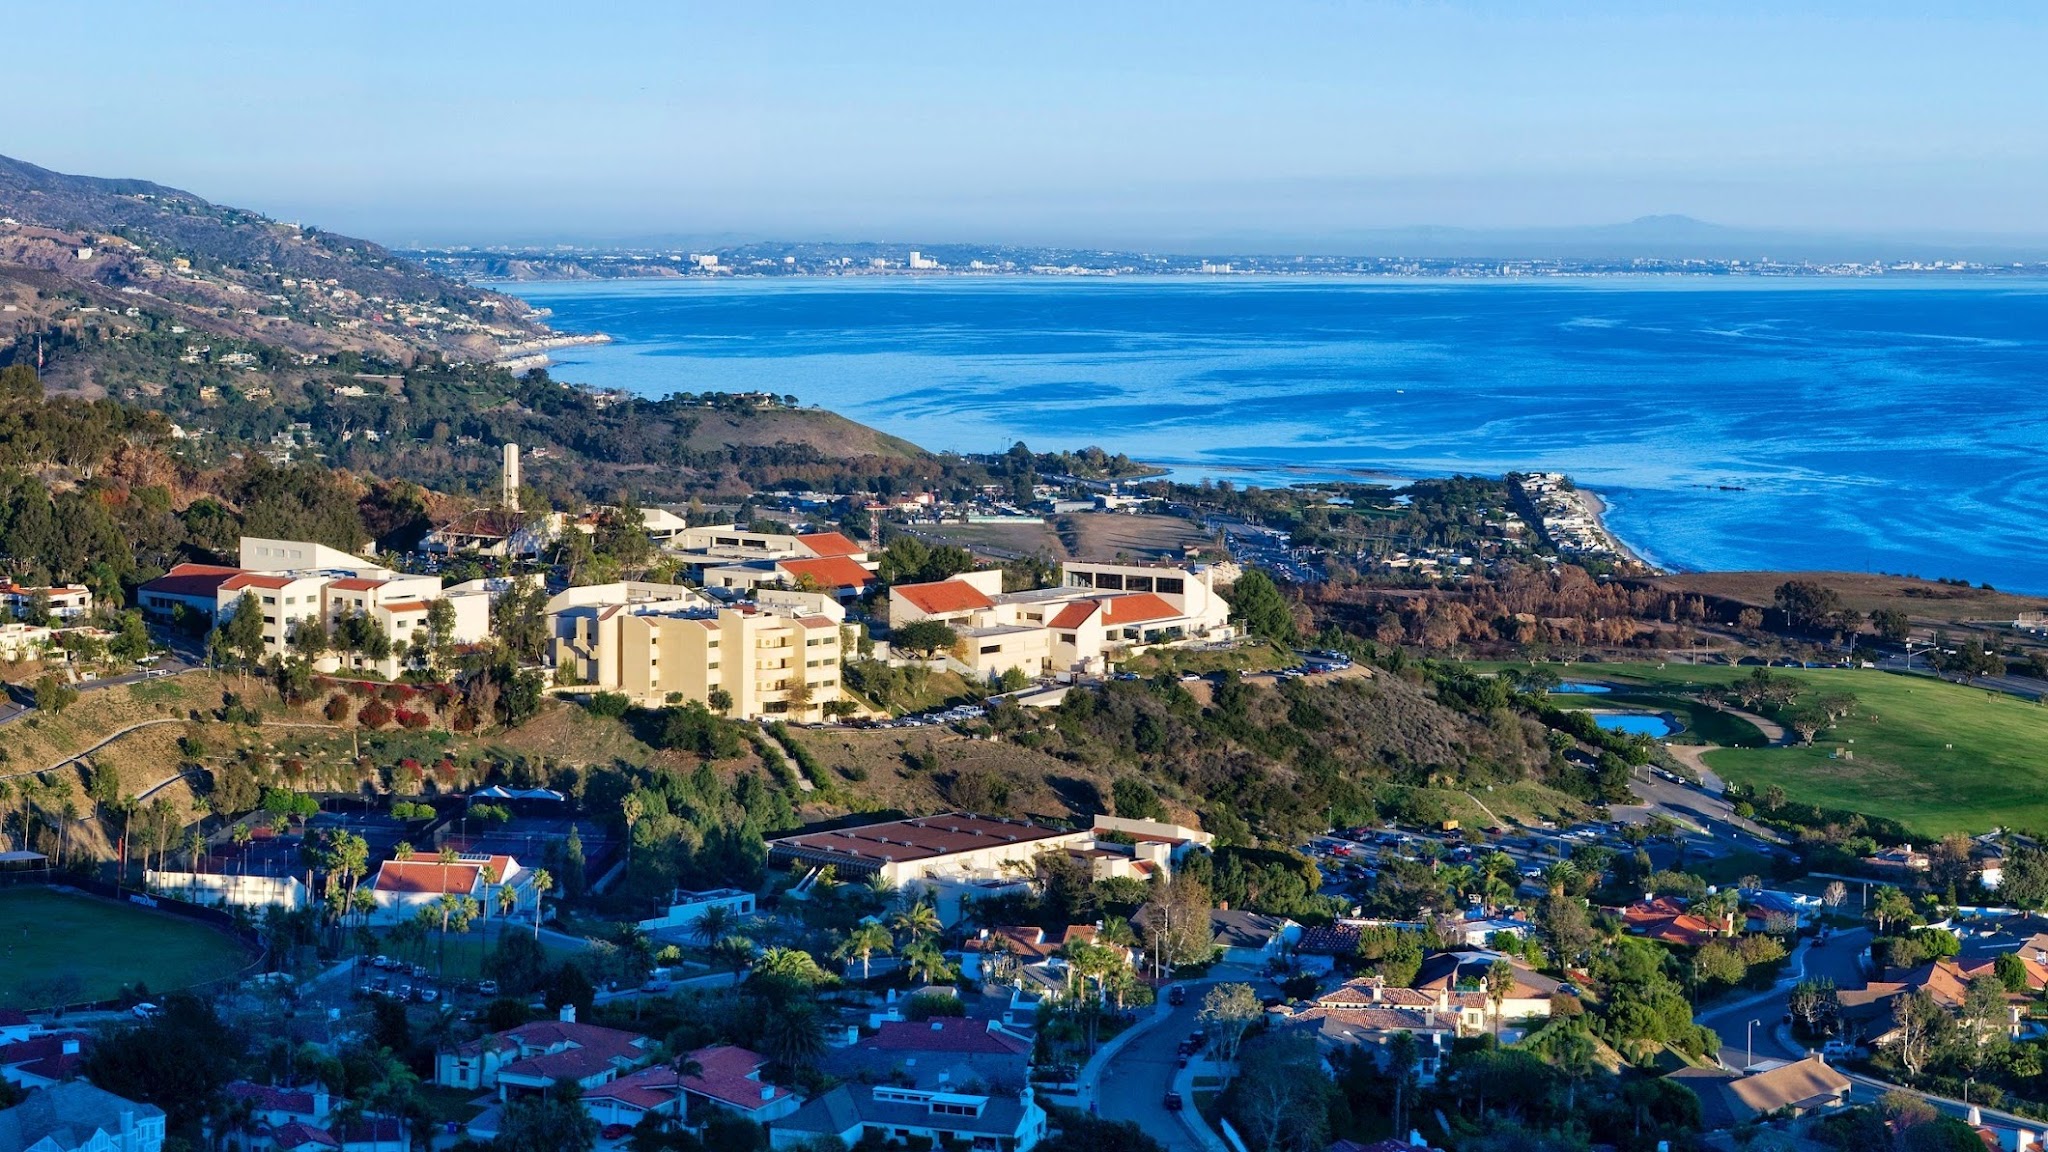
(1140, 125)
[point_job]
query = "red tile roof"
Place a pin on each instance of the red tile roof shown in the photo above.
(829, 544)
(296, 1135)
(728, 1077)
(243, 580)
(1138, 608)
(356, 584)
(943, 1034)
(426, 875)
(829, 571)
(44, 1056)
(943, 596)
(1074, 615)
(269, 1098)
(191, 580)
(406, 606)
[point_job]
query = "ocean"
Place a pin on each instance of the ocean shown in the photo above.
(1798, 424)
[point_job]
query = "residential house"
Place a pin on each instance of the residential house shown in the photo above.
(1666, 921)
(1801, 1088)
(997, 1122)
(534, 1056)
(1371, 1027)
(75, 1116)
(40, 1059)
(62, 602)
(728, 1077)
(1465, 973)
(20, 641)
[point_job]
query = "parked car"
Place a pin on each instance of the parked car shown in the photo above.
(1177, 995)
(146, 1011)
(487, 987)
(380, 961)
(1174, 1103)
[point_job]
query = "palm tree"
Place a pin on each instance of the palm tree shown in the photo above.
(924, 960)
(1559, 877)
(735, 952)
(685, 1065)
(543, 883)
(403, 852)
(714, 925)
(1458, 879)
(866, 939)
(919, 921)
(447, 858)
(1500, 983)
(793, 1037)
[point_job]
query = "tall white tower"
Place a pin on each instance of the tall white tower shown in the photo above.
(510, 497)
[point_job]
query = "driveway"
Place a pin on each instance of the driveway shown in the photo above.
(1836, 958)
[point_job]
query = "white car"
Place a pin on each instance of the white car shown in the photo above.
(146, 1011)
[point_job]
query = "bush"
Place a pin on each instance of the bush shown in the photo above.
(609, 704)
(926, 1005)
(337, 708)
(375, 714)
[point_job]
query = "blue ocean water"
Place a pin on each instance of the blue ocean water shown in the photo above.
(1896, 427)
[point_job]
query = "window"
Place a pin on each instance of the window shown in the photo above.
(1138, 584)
(1169, 585)
(1109, 580)
(1066, 637)
(991, 649)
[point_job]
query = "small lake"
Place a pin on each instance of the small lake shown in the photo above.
(1648, 724)
(1579, 688)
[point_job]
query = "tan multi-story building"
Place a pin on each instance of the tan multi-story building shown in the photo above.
(773, 664)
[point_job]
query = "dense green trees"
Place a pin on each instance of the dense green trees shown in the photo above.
(1260, 609)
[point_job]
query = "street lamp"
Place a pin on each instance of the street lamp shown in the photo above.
(1749, 1045)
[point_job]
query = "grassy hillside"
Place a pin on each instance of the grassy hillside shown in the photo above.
(1864, 592)
(1937, 757)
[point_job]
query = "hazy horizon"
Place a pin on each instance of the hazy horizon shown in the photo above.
(1143, 126)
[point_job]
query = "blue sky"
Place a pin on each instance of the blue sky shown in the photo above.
(1089, 123)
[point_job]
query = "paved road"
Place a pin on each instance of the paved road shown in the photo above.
(1836, 958)
(18, 701)
(1134, 1088)
(1696, 806)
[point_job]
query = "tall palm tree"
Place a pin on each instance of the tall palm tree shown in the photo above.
(403, 852)
(736, 952)
(866, 939)
(543, 883)
(793, 1037)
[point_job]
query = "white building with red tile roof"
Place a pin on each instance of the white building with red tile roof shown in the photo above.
(403, 888)
(1098, 612)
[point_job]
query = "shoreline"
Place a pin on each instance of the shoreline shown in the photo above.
(1596, 507)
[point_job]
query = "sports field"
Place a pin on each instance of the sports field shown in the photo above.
(60, 947)
(1937, 757)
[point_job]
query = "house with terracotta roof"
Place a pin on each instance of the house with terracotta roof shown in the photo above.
(402, 889)
(1666, 921)
(727, 1077)
(44, 1058)
(59, 601)
(534, 1056)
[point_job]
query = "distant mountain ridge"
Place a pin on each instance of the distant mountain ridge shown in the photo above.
(239, 273)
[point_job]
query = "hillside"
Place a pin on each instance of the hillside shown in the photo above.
(71, 246)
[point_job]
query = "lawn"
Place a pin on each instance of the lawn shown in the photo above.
(1936, 757)
(57, 946)
(466, 950)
